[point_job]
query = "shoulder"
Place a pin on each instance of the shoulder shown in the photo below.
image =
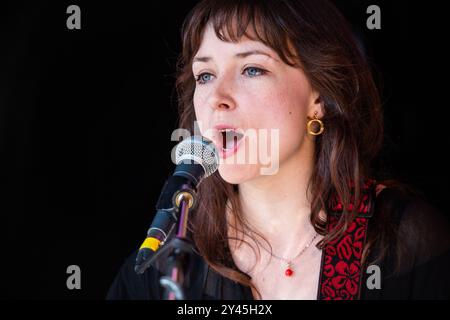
(128, 285)
(416, 230)
(410, 243)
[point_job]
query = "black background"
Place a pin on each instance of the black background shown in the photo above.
(86, 118)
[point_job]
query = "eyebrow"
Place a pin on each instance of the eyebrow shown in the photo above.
(237, 55)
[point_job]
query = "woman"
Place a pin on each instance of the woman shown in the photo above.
(318, 226)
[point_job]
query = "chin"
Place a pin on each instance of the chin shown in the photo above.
(236, 174)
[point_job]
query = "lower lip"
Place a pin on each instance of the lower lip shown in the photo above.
(225, 153)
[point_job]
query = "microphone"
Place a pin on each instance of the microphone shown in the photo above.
(196, 158)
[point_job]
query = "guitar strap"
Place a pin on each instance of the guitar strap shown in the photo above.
(341, 270)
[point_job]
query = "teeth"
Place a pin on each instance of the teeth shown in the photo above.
(230, 137)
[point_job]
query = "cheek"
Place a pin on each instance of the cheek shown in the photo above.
(283, 108)
(199, 108)
(196, 101)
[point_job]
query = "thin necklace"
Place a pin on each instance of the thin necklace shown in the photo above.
(288, 271)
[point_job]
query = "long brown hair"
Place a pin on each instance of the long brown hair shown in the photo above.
(329, 55)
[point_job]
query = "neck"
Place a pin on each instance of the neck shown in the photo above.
(278, 206)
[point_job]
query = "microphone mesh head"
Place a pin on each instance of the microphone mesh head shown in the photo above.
(197, 149)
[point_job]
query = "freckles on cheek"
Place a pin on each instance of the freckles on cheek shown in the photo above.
(201, 112)
(269, 107)
(285, 105)
(198, 102)
(294, 105)
(200, 99)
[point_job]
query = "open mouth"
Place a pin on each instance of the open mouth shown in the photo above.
(230, 138)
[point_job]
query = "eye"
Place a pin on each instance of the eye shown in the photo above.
(254, 71)
(204, 77)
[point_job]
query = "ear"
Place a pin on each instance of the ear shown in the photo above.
(316, 105)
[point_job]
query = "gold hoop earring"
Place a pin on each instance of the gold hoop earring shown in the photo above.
(311, 122)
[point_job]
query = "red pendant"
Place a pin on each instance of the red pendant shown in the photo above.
(288, 272)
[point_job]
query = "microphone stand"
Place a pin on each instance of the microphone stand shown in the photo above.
(178, 261)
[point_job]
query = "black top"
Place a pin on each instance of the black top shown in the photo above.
(421, 233)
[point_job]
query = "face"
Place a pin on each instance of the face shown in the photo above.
(245, 90)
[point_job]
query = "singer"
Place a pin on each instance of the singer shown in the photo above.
(320, 226)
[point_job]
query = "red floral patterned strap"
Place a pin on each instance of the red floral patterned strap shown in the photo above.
(341, 272)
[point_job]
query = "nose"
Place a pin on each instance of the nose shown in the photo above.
(223, 106)
(222, 98)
